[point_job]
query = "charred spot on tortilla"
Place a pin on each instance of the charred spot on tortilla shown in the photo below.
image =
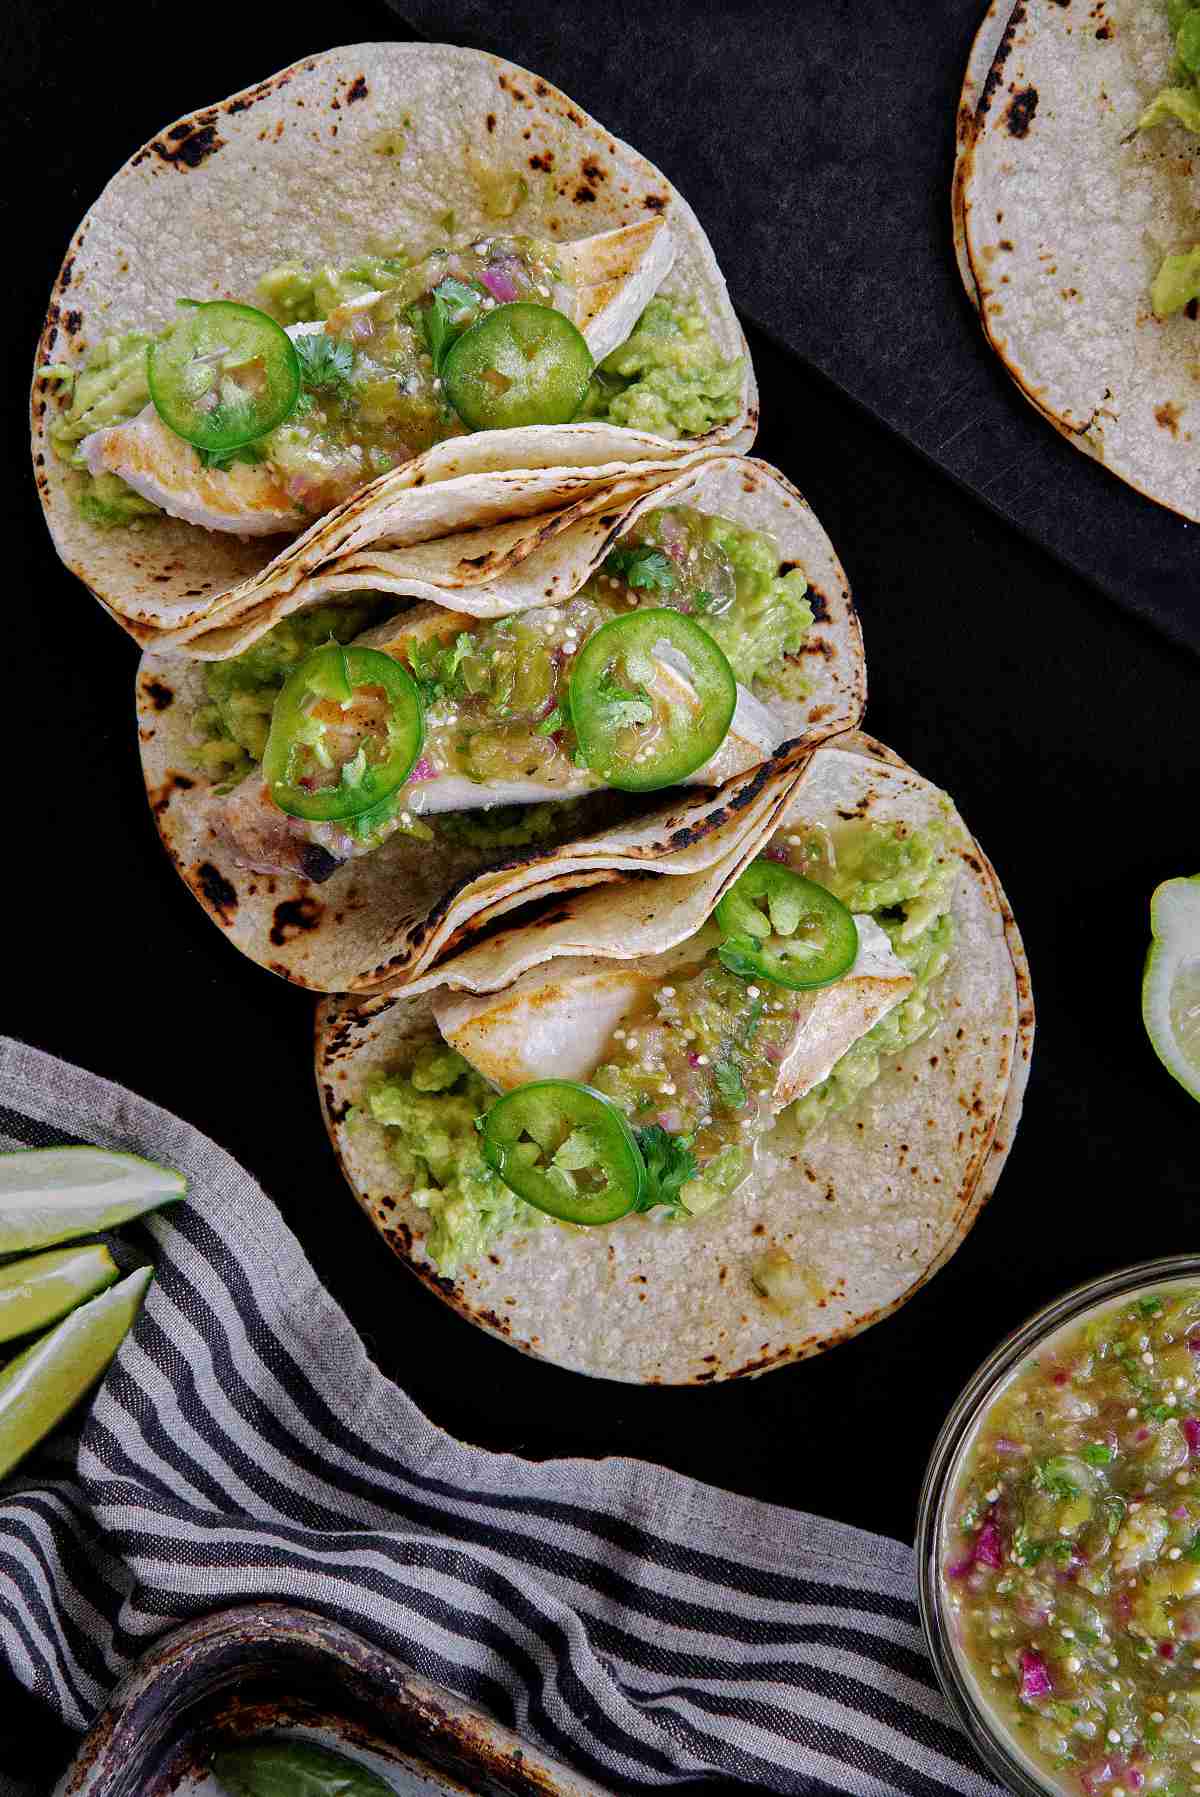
(218, 892)
(1021, 109)
(357, 90)
(191, 145)
(293, 917)
(159, 695)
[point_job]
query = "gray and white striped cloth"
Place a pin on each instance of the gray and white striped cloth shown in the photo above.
(643, 1628)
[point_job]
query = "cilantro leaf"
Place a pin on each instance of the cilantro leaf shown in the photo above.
(1097, 1453)
(434, 665)
(224, 458)
(730, 1084)
(325, 361)
(620, 705)
(741, 955)
(1049, 1477)
(453, 307)
(643, 567)
(670, 1163)
(555, 721)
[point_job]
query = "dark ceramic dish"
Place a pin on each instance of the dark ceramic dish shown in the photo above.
(271, 1669)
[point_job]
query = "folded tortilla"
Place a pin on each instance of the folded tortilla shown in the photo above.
(382, 919)
(866, 1209)
(1063, 214)
(304, 147)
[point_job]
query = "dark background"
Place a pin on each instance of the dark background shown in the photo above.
(1065, 728)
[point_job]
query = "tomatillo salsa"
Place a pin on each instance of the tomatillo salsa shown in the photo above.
(1071, 1565)
(345, 731)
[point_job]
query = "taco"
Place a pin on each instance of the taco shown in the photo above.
(361, 747)
(703, 1150)
(446, 252)
(1077, 228)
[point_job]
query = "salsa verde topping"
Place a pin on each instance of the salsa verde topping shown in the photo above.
(339, 375)
(1072, 1557)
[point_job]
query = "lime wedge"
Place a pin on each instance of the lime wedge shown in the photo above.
(40, 1386)
(1171, 982)
(43, 1288)
(52, 1194)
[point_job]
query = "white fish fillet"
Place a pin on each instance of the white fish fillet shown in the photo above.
(557, 1025)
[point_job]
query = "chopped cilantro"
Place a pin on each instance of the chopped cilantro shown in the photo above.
(434, 665)
(621, 706)
(643, 567)
(453, 307)
(553, 722)
(325, 361)
(730, 1084)
(670, 1163)
(1049, 1477)
(1097, 1453)
(224, 458)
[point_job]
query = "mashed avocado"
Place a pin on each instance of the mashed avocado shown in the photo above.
(429, 1111)
(110, 388)
(770, 613)
(243, 690)
(667, 377)
(906, 880)
(297, 295)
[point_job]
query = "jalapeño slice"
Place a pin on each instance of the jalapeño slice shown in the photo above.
(781, 927)
(566, 1150)
(520, 364)
(345, 731)
(629, 740)
(223, 375)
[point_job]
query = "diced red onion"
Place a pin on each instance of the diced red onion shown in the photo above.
(422, 770)
(499, 283)
(1191, 1432)
(1100, 1773)
(671, 1121)
(1003, 1445)
(989, 1549)
(773, 854)
(1035, 1677)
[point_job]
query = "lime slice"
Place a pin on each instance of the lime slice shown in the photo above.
(1171, 983)
(39, 1290)
(40, 1386)
(52, 1194)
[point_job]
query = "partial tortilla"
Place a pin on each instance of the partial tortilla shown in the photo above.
(380, 921)
(869, 1207)
(307, 144)
(1065, 223)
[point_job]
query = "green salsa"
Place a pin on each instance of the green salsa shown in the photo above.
(1072, 1552)
(1177, 283)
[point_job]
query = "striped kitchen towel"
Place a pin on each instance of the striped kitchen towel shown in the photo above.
(643, 1628)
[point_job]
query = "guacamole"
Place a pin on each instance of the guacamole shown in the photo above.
(429, 1112)
(1177, 282)
(1072, 1551)
(110, 388)
(904, 879)
(666, 378)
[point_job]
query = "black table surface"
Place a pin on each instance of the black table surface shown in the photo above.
(1064, 728)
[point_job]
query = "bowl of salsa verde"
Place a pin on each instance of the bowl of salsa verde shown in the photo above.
(1059, 1543)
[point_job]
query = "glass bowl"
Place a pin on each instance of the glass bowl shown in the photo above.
(1004, 1756)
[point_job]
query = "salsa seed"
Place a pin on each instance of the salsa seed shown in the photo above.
(1183, 1479)
(1067, 1634)
(995, 1672)
(1114, 1736)
(1074, 1663)
(1157, 1716)
(1131, 1414)
(1114, 1684)
(993, 1494)
(1176, 1553)
(1147, 1359)
(1180, 1383)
